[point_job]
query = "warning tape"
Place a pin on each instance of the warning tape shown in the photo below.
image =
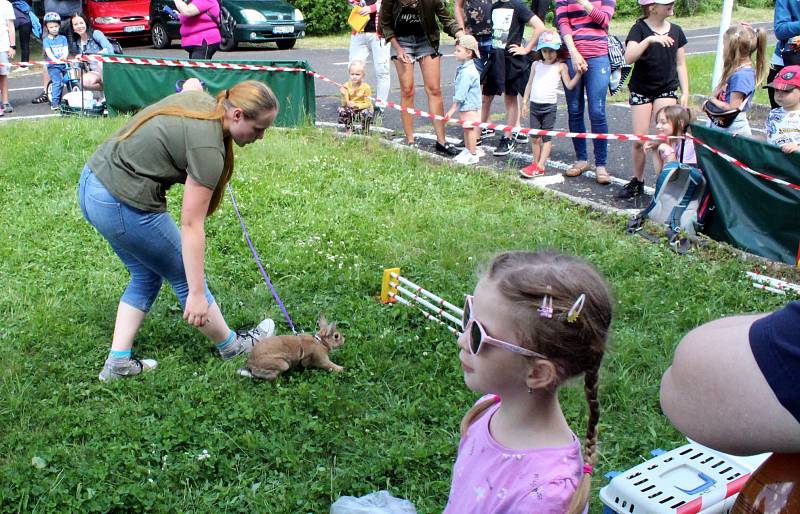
(415, 112)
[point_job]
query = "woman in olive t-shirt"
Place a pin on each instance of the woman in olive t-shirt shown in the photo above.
(185, 138)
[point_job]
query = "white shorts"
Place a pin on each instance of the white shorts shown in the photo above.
(4, 70)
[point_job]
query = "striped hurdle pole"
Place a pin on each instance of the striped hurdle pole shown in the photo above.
(774, 285)
(392, 291)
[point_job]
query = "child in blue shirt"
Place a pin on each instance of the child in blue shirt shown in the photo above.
(467, 96)
(56, 50)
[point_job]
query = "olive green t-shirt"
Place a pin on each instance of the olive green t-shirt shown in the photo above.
(163, 151)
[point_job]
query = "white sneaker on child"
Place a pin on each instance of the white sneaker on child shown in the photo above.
(466, 158)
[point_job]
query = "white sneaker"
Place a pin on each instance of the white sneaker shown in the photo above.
(466, 158)
(246, 339)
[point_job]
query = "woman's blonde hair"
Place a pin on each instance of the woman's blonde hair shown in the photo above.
(741, 40)
(575, 345)
(251, 96)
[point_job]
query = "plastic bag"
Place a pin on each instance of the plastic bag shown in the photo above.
(380, 502)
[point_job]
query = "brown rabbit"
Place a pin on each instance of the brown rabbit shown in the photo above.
(273, 355)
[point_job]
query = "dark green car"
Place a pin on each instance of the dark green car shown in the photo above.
(249, 21)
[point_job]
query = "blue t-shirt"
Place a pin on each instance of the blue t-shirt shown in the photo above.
(742, 81)
(58, 46)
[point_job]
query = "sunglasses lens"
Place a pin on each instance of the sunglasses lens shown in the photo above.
(475, 338)
(465, 316)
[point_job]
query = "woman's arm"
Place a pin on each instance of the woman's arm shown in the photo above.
(448, 23)
(386, 20)
(538, 28)
(196, 199)
(458, 11)
(683, 77)
(785, 26)
(186, 9)
(103, 41)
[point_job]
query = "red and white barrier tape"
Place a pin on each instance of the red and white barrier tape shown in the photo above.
(415, 112)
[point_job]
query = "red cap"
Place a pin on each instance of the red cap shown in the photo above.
(787, 79)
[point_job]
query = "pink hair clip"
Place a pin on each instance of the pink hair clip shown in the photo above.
(587, 469)
(546, 310)
(575, 310)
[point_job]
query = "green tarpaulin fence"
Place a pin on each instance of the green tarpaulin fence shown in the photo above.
(752, 213)
(130, 87)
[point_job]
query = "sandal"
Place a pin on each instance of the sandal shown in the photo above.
(601, 176)
(577, 170)
(42, 98)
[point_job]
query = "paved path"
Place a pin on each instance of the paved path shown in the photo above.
(333, 62)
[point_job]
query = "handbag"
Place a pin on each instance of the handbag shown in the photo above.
(720, 117)
(356, 20)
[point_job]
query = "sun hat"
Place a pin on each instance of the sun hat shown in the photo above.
(470, 43)
(787, 79)
(549, 39)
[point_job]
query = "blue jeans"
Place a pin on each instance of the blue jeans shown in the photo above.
(148, 243)
(56, 72)
(595, 84)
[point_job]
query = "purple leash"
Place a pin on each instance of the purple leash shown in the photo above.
(258, 261)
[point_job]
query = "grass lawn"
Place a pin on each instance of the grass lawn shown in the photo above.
(327, 215)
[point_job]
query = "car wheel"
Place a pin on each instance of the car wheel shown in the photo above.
(286, 44)
(228, 44)
(158, 34)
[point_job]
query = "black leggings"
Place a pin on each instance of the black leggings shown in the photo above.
(24, 31)
(204, 51)
(773, 72)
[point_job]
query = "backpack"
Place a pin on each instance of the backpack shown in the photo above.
(681, 195)
(619, 69)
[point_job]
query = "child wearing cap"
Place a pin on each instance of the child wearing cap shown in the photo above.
(541, 92)
(657, 48)
(467, 96)
(783, 123)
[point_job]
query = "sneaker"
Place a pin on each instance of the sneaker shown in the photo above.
(462, 144)
(466, 158)
(128, 369)
(7, 107)
(531, 171)
(487, 132)
(447, 148)
(521, 138)
(54, 107)
(632, 189)
(42, 98)
(504, 146)
(246, 339)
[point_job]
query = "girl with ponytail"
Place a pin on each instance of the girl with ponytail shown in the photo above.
(185, 138)
(535, 321)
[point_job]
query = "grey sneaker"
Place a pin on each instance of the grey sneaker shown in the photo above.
(7, 107)
(128, 369)
(246, 339)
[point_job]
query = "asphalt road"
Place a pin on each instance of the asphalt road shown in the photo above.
(332, 63)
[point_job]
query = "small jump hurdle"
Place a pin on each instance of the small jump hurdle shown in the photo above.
(773, 285)
(396, 288)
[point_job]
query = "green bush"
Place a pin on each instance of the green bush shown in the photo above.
(324, 16)
(690, 7)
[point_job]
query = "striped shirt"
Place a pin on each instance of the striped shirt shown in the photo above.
(588, 31)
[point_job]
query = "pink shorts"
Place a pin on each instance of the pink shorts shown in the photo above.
(470, 116)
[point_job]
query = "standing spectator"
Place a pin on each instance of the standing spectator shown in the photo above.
(656, 46)
(199, 31)
(65, 9)
(7, 50)
(541, 91)
(475, 18)
(370, 40)
(783, 123)
(787, 25)
(584, 28)
(467, 96)
(508, 68)
(410, 26)
(56, 50)
(24, 24)
(739, 79)
(356, 104)
(88, 41)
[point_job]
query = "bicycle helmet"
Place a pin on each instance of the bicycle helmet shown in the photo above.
(52, 16)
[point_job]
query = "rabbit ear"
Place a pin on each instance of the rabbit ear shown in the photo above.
(323, 323)
(332, 329)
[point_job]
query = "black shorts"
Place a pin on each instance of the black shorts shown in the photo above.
(776, 348)
(640, 99)
(543, 116)
(505, 73)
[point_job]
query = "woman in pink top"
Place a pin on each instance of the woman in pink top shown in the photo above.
(583, 25)
(536, 320)
(199, 31)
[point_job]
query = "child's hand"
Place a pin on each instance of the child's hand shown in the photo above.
(649, 145)
(684, 100)
(364, 11)
(525, 108)
(343, 90)
(450, 113)
(351, 104)
(790, 147)
(661, 39)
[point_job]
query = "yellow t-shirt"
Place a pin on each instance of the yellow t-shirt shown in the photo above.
(360, 95)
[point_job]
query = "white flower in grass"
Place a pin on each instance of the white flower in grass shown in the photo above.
(203, 455)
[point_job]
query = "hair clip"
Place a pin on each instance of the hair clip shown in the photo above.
(587, 469)
(575, 310)
(546, 310)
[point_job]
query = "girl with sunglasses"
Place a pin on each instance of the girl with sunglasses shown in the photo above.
(535, 321)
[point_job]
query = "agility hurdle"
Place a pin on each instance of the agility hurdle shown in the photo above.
(396, 288)
(773, 285)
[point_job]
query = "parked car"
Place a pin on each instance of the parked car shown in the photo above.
(119, 18)
(250, 21)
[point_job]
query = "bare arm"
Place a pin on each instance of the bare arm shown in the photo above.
(714, 379)
(458, 11)
(12, 37)
(196, 199)
(186, 9)
(736, 100)
(538, 28)
(569, 82)
(683, 77)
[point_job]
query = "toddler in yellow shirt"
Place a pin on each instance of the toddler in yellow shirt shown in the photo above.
(356, 104)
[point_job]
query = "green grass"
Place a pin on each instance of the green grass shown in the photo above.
(327, 215)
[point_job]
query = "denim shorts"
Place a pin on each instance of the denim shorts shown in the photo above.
(147, 243)
(415, 47)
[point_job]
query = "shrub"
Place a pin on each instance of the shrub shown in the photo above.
(324, 16)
